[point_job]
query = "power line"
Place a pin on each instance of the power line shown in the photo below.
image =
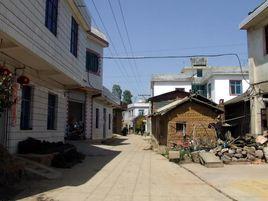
(120, 65)
(191, 48)
(183, 57)
(121, 38)
(128, 37)
(170, 56)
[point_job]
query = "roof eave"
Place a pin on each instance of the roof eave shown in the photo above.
(98, 39)
(249, 20)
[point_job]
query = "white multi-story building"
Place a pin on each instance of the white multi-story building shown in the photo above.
(103, 105)
(52, 43)
(134, 110)
(215, 83)
(256, 25)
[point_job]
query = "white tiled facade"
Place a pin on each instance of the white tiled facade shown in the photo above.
(39, 116)
(98, 133)
(219, 82)
(50, 65)
(24, 21)
(255, 24)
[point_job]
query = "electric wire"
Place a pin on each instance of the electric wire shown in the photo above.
(128, 38)
(122, 68)
(122, 40)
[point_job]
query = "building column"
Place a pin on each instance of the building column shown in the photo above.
(88, 116)
(256, 104)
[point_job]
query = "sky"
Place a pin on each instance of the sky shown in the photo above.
(167, 27)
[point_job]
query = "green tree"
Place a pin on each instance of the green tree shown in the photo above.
(117, 91)
(127, 97)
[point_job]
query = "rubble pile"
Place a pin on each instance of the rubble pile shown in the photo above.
(242, 149)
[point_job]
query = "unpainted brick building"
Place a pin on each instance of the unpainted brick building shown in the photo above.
(185, 121)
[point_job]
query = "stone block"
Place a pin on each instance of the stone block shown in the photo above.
(173, 155)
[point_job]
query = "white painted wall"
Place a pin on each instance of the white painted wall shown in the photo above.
(24, 22)
(221, 88)
(165, 87)
(39, 115)
(98, 132)
(133, 111)
(258, 62)
(258, 59)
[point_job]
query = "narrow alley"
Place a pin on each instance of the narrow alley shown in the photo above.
(127, 170)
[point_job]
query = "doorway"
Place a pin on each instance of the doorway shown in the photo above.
(104, 123)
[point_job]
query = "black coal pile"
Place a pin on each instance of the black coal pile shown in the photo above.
(242, 149)
(65, 155)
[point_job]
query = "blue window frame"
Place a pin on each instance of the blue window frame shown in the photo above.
(51, 112)
(92, 62)
(74, 37)
(52, 15)
(235, 87)
(97, 118)
(199, 72)
(110, 121)
(266, 38)
(26, 108)
(209, 90)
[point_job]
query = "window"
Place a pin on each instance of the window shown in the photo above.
(266, 39)
(52, 15)
(97, 117)
(179, 89)
(51, 112)
(235, 87)
(92, 62)
(26, 108)
(181, 128)
(74, 37)
(199, 73)
(141, 112)
(110, 120)
(209, 90)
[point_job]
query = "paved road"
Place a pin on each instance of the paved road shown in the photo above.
(124, 171)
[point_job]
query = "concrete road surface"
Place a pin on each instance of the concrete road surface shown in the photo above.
(125, 170)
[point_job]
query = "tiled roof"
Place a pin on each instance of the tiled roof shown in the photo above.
(174, 104)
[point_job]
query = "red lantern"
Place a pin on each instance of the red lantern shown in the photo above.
(23, 80)
(4, 71)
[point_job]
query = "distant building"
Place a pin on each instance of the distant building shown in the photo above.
(256, 25)
(103, 108)
(140, 108)
(118, 118)
(215, 83)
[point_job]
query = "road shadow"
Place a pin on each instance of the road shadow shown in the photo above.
(96, 158)
(115, 141)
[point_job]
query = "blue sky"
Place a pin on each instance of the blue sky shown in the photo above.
(169, 27)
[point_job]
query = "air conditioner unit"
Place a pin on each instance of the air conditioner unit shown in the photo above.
(199, 61)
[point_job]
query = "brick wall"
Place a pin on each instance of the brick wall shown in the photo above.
(117, 121)
(197, 117)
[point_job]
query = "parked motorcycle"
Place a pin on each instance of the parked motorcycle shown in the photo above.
(76, 131)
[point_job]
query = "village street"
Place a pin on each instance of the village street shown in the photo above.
(128, 170)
